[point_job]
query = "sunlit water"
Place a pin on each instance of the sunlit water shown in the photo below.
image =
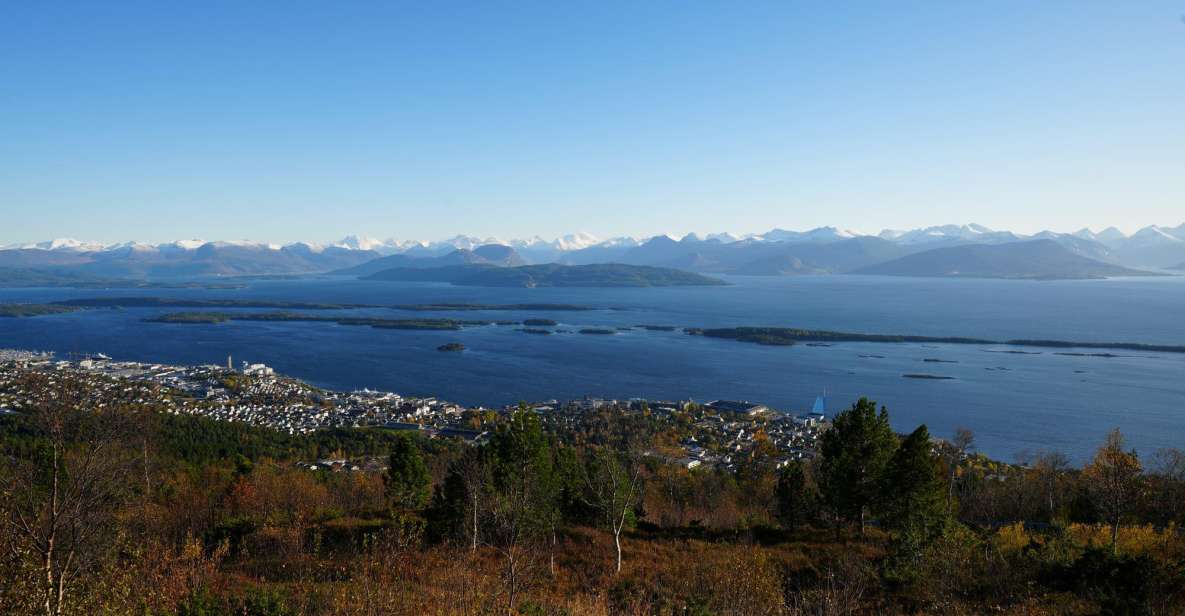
(1012, 402)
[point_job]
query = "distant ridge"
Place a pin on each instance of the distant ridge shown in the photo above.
(489, 254)
(552, 275)
(1034, 260)
(778, 252)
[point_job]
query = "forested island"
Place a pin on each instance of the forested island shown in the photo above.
(33, 310)
(788, 336)
(164, 302)
(491, 307)
(413, 324)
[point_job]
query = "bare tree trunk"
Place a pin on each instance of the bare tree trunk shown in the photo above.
(474, 547)
(51, 538)
(617, 542)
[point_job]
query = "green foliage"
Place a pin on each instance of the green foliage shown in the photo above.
(524, 476)
(407, 481)
(856, 452)
(1120, 584)
(912, 492)
(198, 440)
(795, 498)
(32, 310)
(913, 503)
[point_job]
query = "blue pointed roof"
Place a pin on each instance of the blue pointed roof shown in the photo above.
(820, 405)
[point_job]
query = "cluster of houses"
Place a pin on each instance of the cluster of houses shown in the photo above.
(724, 431)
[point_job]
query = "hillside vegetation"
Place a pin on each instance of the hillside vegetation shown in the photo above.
(113, 508)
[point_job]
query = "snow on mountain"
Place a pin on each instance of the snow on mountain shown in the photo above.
(820, 234)
(305, 247)
(538, 249)
(949, 233)
(724, 238)
(356, 242)
(64, 244)
(575, 241)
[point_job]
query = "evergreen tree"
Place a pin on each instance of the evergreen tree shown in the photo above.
(407, 480)
(855, 453)
(460, 501)
(794, 498)
(524, 510)
(913, 502)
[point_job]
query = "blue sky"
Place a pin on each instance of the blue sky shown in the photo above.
(157, 121)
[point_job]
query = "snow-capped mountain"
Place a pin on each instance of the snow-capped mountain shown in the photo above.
(575, 241)
(819, 250)
(63, 244)
(949, 233)
(821, 234)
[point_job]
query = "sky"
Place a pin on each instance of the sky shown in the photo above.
(289, 121)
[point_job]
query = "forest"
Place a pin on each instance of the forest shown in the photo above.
(113, 507)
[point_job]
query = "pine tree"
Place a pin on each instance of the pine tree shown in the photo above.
(524, 511)
(794, 498)
(855, 453)
(407, 481)
(913, 492)
(913, 503)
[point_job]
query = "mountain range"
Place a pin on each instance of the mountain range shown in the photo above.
(1040, 259)
(825, 250)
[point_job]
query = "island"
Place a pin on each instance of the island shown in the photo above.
(190, 317)
(164, 302)
(550, 275)
(451, 347)
(598, 331)
(490, 307)
(789, 336)
(32, 310)
(411, 324)
(540, 323)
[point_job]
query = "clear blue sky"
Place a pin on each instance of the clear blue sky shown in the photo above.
(157, 120)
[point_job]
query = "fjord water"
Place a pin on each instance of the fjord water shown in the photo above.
(1013, 402)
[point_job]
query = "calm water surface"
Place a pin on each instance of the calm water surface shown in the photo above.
(1014, 403)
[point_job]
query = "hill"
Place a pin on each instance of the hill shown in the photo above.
(1036, 260)
(172, 261)
(759, 257)
(490, 254)
(551, 275)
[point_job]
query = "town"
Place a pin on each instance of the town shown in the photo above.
(721, 432)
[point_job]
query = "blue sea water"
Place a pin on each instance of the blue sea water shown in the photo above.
(1014, 403)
